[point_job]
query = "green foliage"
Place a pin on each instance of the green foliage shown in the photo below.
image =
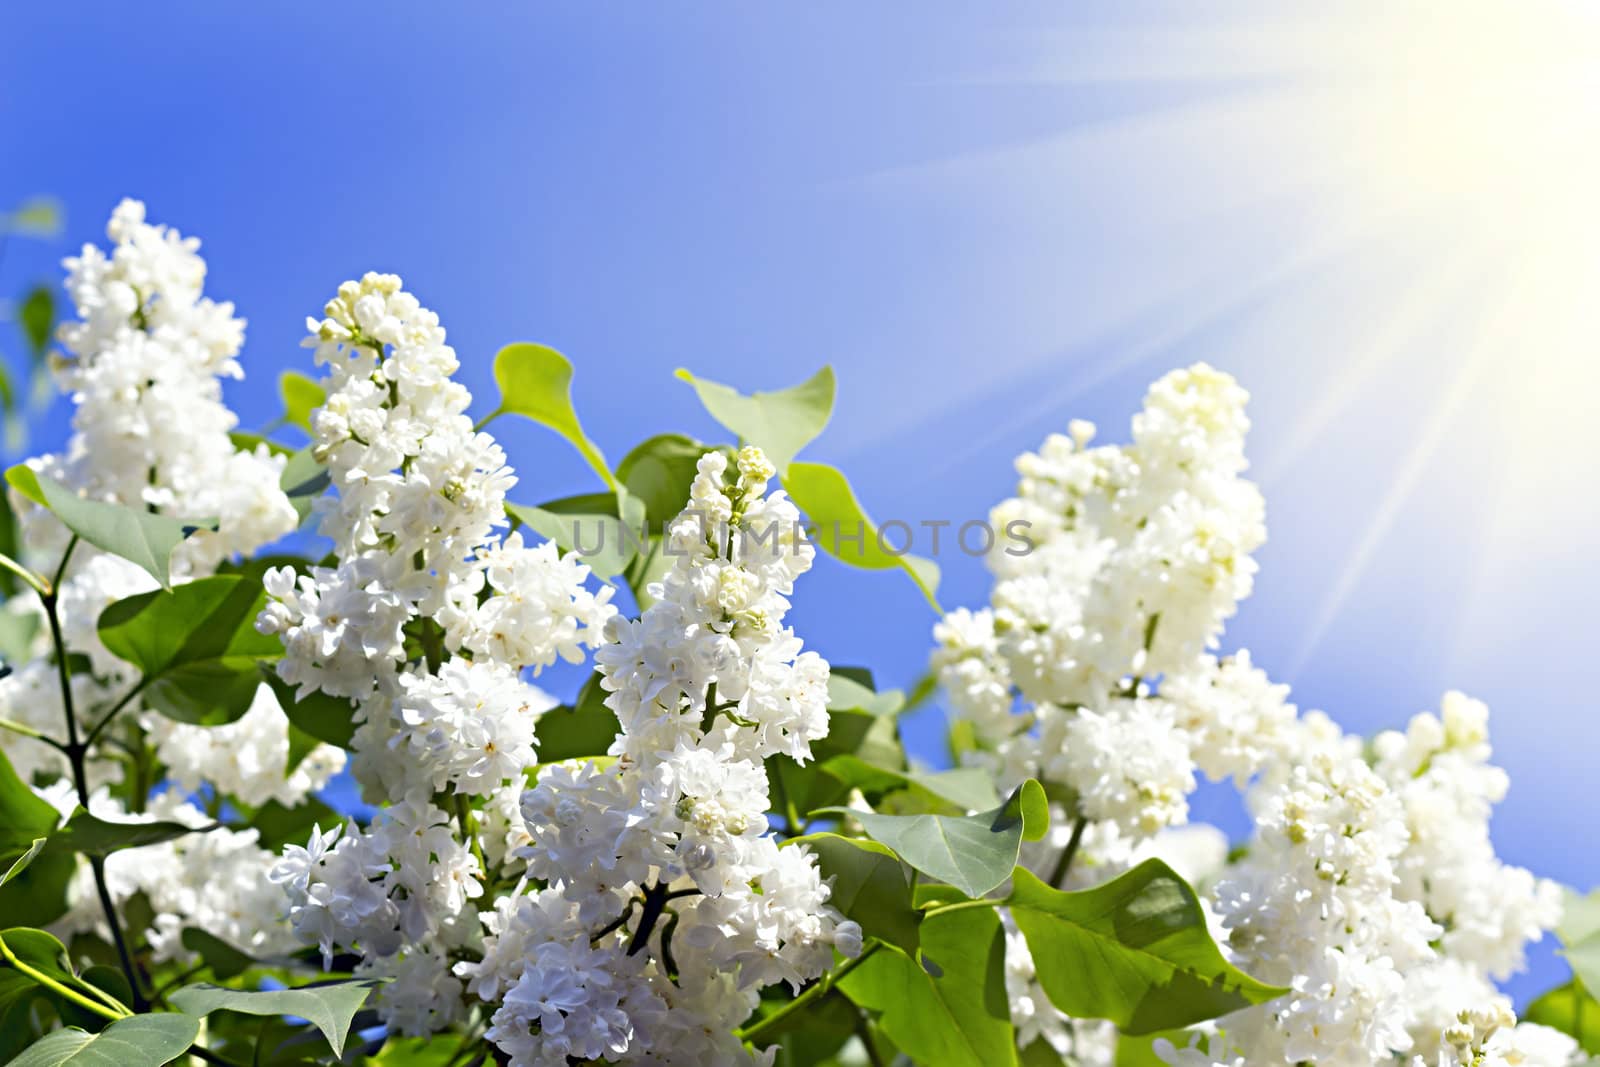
(37, 317)
(608, 532)
(222, 959)
(949, 1007)
(871, 885)
(304, 480)
(572, 731)
(329, 1007)
(196, 644)
(317, 714)
(843, 530)
(1134, 950)
(38, 216)
(536, 382)
(34, 889)
(279, 825)
(780, 423)
(658, 472)
(1579, 931)
(138, 536)
(94, 836)
(974, 853)
(137, 1041)
(301, 396)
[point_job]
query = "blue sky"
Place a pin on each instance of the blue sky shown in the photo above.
(983, 224)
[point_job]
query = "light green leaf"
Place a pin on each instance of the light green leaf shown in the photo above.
(196, 644)
(94, 836)
(585, 728)
(780, 423)
(852, 687)
(589, 524)
(304, 480)
(1571, 1009)
(1134, 950)
(329, 1007)
(659, 472)
(301, 396)
(138, 536)
(974, 853)
(536, 382)
(136, 1041)
(1579, 931)
(38, 216)
(967, 788)
(34, 889)
(224, 960)
(870, 885)
(843, 530)
(961, 1018)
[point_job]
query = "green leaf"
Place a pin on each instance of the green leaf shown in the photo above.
(1571, 1009)
(967, 788)
(319, 715)
(536, 382)
(38, 216)
(94, 836)
(1579, 931)
(304, 480)
(279, 825)
(659, 472)
(591, 526)
(136, 1041)
(870, 885)
(780, 423)
(34, 889)
(37, 316)
(138, 536)
(974, 853)
(851, 687)
(196, 644)
(586, 728)
(824, 494)
(301, 396)
(245, 441)
(1134, 950)
(961, 1018)
(329, 1007)
(224, 960)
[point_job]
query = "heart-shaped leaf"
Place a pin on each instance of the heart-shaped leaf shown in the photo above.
(536, 382)
(780, 423)
(329, 1007)
(870, 885)
(1135, 950)
(138, 536)
(136, 1041)
(841, 528)
(974, 853)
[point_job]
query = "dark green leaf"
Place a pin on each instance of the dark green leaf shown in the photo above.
(94, 836)
(1134, 950)
(224, 960)
(841, 528)
(1571, 1009)
(34, 890)
(961, 1018)
(37, 315)
(586, 728)
(780, 423)
(870, 885)
(536, 382)
(138, 536)
(659, 472)
(196, 644)
(319, 715)
(136, 1041)
(278, 825)
(329, 1007)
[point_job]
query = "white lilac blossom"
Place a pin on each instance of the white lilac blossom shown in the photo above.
(638, 904)
(1370, 886)
(143, 362)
